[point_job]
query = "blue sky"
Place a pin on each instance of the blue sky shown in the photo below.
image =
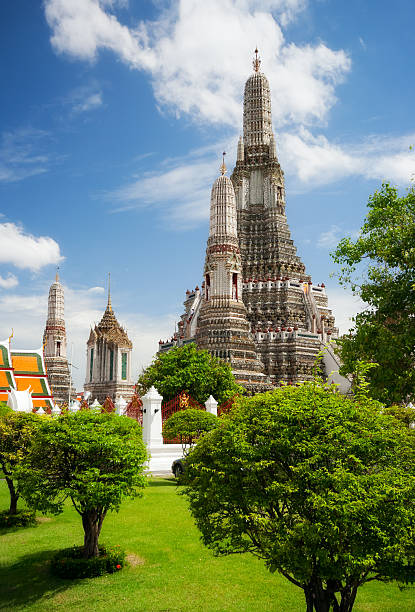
(114, 114)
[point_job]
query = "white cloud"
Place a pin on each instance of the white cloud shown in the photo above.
(96, 290)
(317, 161)
(22, 154)
(199, 53)
(180, 189)
(331, 238)
(344, 305)
(26, 251)
(91, 102)
(85, 98)
(9, 282)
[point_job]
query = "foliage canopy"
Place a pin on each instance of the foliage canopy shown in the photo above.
(189, 425)
(190, 369)
(379, 266)
(16, 431)
(93, 459)
(314, 483)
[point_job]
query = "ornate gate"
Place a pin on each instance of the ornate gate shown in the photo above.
(183, 401)
(226, 407)
(134, 409)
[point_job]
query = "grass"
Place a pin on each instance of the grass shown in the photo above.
(170, 572)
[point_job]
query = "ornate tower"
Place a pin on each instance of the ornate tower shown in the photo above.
(223, 328)
(54, 341)
(289, 316)
(108, 371)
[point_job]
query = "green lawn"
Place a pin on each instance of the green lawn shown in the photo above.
(173, 572)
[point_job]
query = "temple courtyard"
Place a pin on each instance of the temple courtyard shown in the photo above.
(169, 568)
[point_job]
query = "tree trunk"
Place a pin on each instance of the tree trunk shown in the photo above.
(317, 598)
(92, 523)
(348, 597)
(14, 496)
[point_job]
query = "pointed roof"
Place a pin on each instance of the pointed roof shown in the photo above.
(109, 328)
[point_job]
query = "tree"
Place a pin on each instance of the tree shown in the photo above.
(16, 431)
(93, 459)
(379, 266)
(190, 369)
(189, 425)
(319, 486)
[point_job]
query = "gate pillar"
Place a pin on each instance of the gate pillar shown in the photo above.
(152, 423)
(211, 405)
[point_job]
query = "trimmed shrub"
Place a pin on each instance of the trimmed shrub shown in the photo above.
(71, 563)
(22, 518)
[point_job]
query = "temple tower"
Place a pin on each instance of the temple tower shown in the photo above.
(223, 328)
(289, 316)
(54, 342)
(108, 371)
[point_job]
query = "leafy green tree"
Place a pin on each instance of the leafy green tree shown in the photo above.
(318, 485)
(190, 369)
(189, 425)
(16, 431)
(379, 266)
(93, 459)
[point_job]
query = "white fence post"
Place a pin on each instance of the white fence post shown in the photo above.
(152, 422)
(211, 405)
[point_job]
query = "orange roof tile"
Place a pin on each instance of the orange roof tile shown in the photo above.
(6, 379)
(37, 385)
(27, 364)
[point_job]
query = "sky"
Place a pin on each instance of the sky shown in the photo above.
(113, 118)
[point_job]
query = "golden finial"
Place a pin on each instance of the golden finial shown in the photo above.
(257, 61)
(57, 274)
(12, 334)
(223, 168)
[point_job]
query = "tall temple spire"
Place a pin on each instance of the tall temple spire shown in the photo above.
(275, 320)
(54, 342)
(222, 313)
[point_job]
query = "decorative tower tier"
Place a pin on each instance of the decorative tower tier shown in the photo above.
(54, 341)
(223, 328)
(108, 372)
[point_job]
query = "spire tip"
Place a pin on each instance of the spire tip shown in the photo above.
(223, 168)
(257, 61)
(109, 305)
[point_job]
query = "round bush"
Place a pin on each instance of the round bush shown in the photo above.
(22, 518)
(70, 562)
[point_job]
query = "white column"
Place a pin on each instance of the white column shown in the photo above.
(120, 406)
(211, 405)
(152, 422)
